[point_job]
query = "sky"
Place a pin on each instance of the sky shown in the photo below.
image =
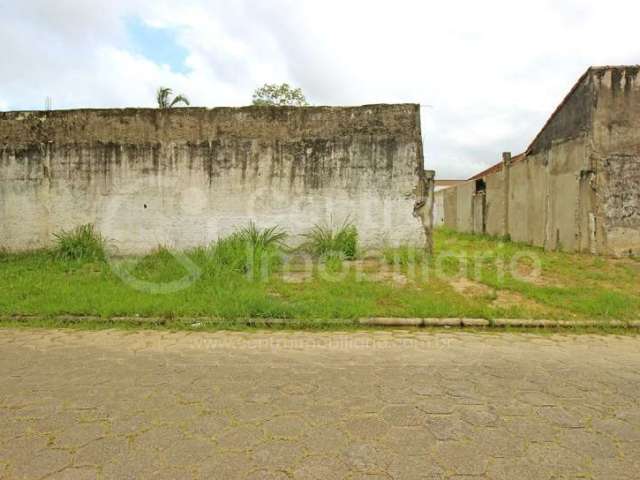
(487, 73)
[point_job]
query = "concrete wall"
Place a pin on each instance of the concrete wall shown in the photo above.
(438, 208)
(544, 196)
(450, 199)
(577, 187)
(616, 158)
(464, 207)
(182, 177)
(495, 204)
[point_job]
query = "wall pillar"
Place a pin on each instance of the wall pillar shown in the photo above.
(506, 175)
(423, 207)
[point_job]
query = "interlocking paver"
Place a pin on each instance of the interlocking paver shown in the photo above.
(257, 405)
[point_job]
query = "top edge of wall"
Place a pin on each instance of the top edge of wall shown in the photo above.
(182, 110)
(197, 124)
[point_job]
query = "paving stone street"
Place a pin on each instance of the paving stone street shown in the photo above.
(359, 405)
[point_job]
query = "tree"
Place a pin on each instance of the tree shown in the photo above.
(164, 98)
(279, 95)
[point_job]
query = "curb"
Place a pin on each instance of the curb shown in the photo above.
(500, 322)
(424, 322)
(364, 322)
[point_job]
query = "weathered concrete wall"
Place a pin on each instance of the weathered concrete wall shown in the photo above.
(438, 209)
(544, 196)
(495, 209)
(450, 196)
(616, 158)
(464, 208)
(577, 187)
(185, 176)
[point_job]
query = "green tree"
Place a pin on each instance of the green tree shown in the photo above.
(164, 99)
(279, 95)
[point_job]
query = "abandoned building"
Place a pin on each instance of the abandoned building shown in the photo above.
(184, 177)
(576, 187)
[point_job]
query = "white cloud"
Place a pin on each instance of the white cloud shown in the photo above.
(493, 70)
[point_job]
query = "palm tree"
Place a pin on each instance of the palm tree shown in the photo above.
(164, 98)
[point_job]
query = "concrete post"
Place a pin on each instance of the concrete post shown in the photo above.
(506, 176)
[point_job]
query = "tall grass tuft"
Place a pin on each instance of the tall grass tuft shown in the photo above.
(324, 240)
(82, 243)
(249, 250)
(265, 238)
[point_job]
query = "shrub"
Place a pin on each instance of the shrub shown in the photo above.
(82, 243)
(248, 250)
(324, 240)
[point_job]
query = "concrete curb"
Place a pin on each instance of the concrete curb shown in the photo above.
(397, 322)
(424, 322)
(500, 322)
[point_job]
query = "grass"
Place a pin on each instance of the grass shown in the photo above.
(403, 255)
(82, 244)
(243, 276)
(248, 251)
(333, 242)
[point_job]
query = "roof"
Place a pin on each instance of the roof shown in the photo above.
(443, 181)
(497, 167)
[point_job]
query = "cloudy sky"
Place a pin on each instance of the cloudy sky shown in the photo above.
(488, 72)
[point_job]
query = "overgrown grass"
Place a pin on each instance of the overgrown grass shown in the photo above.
(569, 284)
(404, 255)
(240, 276)
(249, 250)
(81, 244)
(329, 241)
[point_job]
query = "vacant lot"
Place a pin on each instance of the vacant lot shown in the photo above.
(467, 277)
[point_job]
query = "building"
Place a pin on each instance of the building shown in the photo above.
(577, 186)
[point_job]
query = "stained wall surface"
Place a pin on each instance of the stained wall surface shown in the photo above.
(616, 158)
(183, 177)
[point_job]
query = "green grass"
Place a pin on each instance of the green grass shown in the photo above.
(240, 276)
(404, 255)
(248, 251)
(82, 244)
(329, 241)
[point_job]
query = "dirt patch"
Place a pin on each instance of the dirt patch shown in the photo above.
(397, 279)
(464, 286)
(507, 299)
(631, 263)
(297, 277)
(367, 265)
(531, 274)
